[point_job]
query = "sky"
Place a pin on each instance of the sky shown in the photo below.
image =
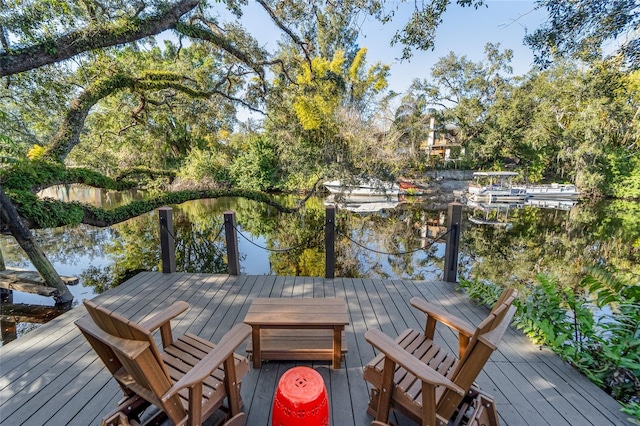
(464, 31)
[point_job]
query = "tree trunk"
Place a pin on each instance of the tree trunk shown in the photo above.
(23, 236)
(68, 135)
(14, 61)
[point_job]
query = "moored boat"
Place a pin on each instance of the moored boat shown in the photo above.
(498, 187)
(495, 186)
(364, 203)
(362, 187)
(553, 191)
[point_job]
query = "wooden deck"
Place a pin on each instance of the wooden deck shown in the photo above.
(51, 376)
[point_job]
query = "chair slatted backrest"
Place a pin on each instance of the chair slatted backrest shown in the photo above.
(137, 353)
(484, 341)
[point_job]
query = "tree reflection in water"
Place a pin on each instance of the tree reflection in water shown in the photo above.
(557, 242)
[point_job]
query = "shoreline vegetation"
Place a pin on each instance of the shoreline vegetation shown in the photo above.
(22, 181)
(551, 314)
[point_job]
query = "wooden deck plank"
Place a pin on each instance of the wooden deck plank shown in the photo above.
(578, 391)
(55, 326)
(532, 393)
(551, 394)
(359, 349)
(56, 379)
(515, 397)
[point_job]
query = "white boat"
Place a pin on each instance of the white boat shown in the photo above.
(495, 187)
(554, 203)
(365, 187)
(363, 203)
(554, 191)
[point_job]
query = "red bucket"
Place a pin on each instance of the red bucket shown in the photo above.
(301, 399)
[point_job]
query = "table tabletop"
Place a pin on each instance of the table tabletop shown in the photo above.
(297, 311)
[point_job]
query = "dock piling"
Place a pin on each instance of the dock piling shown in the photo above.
(231, 235)
(454, 220)
(329, 241)
(167, 240)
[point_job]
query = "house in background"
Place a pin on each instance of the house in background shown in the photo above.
(442, 142)
(439, 143)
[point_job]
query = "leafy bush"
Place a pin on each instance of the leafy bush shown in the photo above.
(595, 327)
(9, 150)
(201, 164)
(623, 174)
(46, 213)
(257, 169)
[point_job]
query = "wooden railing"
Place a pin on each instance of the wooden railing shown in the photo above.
(167, 241)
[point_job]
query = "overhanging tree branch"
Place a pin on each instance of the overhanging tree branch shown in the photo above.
(67, 46)
(68, 135)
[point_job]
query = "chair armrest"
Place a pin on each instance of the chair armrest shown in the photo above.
(391, 349)
(223, 350)
(164, 316)
(445, 318)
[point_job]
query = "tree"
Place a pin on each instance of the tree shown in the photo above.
(9, 215)
(317, 114)
(569, 124)
(45, 34)
(462, 90)
(53, 41)
(170, 111)
(412, 120)
(588, 30)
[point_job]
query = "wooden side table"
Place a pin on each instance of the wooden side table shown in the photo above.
(297, 329)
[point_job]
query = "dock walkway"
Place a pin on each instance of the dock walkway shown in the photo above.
(52, 377)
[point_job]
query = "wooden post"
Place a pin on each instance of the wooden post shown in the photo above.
(329, 241)
(9, 215)
(8, 330)
(167, 240)
(231, 235)
(454, 220)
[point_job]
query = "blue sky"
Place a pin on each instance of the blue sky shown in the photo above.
(465, 31)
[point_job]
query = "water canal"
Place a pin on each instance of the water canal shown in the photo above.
(501, 243)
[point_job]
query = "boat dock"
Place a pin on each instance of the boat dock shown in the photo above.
(52, 376)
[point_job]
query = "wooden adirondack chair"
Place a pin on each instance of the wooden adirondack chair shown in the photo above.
(429, 384)
(188, 381)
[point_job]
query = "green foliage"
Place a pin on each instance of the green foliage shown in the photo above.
(633, 408)
(585, 29)
(483, 292)
(48, 213)
(138, 172)
(602, 339)
(610, 288)
(25, 177)
(556, 316)
(623, 173)
(568, 124)
(204, 164)
(257, 168)
(9, 151)
(33, 175)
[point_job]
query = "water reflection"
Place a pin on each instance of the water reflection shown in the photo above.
(557, 241)
(93, 196)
